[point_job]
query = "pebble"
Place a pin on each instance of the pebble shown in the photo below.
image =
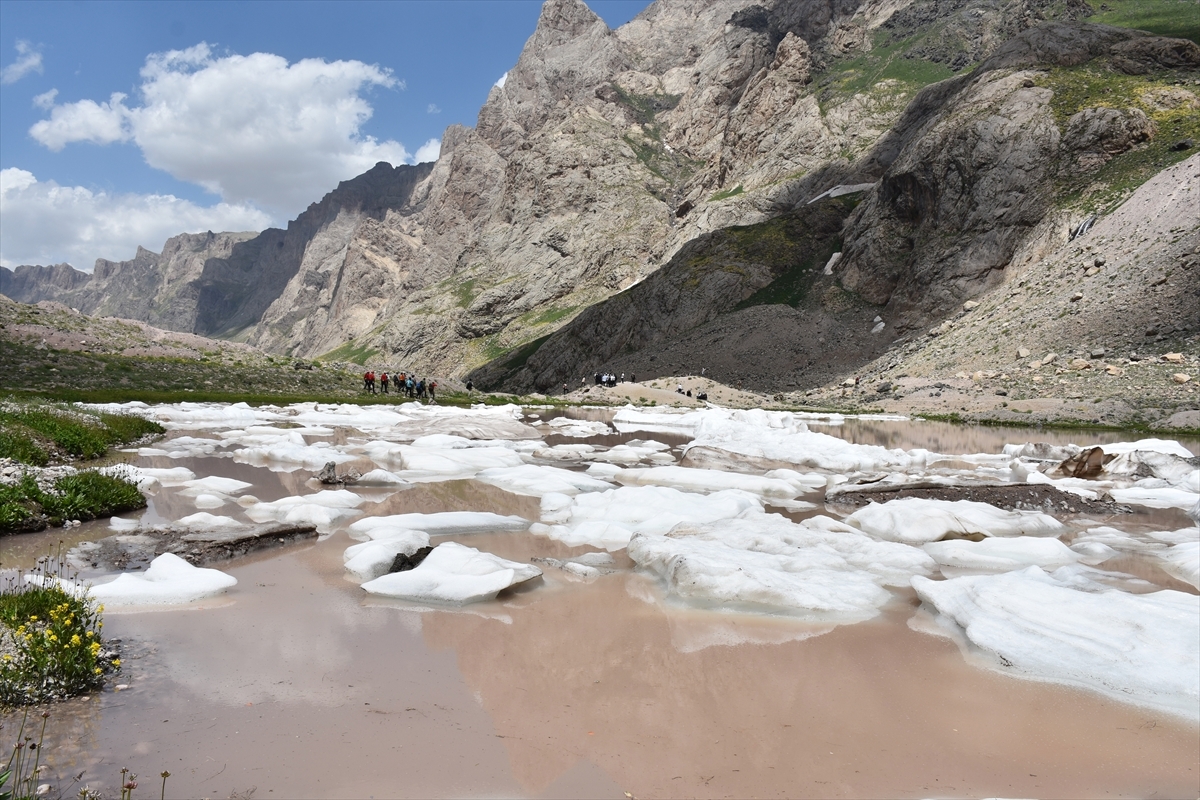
(1181, 377)
(1023, 352)
(1174, 358)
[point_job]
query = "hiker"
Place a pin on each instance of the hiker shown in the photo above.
(632, 378)
(470, 385)
(433, 391)
(597, 378)
(371, 381)
(383, 382)
(367, 381)
(679, 388)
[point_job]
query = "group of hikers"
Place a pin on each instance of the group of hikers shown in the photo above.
(403, 384)
(608, 379)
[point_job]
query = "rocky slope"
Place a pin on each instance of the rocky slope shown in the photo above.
(605, 153)
(219, 284)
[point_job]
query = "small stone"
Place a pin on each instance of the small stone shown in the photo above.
(877, 319)
(1075, 298)
(1114, 370)
(1091, 271)
(1159, 281)
(1080, 363)
(1099, 262)
(1023, 352)
(1002, 393)
(970, 304)
(1046, 359)
(850, 382)
(1181, 377)
(1098, 352)
(879, 326)
(1174, 358)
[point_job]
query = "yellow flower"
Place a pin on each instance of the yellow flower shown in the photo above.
(7, 657)
(90, 634)
(116, 662)
(98, 670)
(76, 641)
(33, 618)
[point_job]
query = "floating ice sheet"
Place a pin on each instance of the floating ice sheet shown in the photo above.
(451, 460)
(818, 567)
(454, 574)
(370, 560)
(1002, 554)
(1143, 649)
(440, 524)
(915, 520)
(607, 519)
(581, 428)
(708, 480)
(169, 580)
(536, 480)
(1183, 561)
(322, 509)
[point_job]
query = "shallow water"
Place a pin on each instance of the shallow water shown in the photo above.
(299, 684)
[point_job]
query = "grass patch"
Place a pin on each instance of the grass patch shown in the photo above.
(726, 194)
(31, 432)
(1094, 85)
(1178, 18)
(52, 638)
(791, 287)
(353, 352)
(885, 61)
(550, 315)
(465, 292)
(83, 496)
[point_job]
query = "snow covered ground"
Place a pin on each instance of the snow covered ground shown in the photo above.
(723, 521)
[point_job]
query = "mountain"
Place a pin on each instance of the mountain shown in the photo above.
(626, 189)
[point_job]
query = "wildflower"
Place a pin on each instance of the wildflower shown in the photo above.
(76, 641)
(90, 634)
(116, 662)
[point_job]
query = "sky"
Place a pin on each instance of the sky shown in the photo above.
(125, 123)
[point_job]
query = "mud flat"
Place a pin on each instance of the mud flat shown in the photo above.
(630, 679)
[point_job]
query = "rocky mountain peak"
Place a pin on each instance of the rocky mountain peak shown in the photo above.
(563, 20)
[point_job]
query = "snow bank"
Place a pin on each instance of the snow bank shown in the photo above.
(913, 519)
(203, 521)
(370, 560)
(455, 458)
(322, 509)
(440, 524)
(534, 480)
(608, 519)
(1183, 561)
(1143, 649)
(1002, 555)
(169, 580)
(454, 574)
(708, 480)
(580, 428)
(816, 567)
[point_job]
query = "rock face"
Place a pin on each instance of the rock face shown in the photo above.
(605, 155)
(217, 284)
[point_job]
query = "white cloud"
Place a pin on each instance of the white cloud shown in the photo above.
(428, 151)
(44, 223)
(28, 60)
(85, 121)
(500, 83)
(45, 99)
(252, 129)
(433, 109)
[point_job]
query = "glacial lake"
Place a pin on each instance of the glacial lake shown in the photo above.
(298, 683)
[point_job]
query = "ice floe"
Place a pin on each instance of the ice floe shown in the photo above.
(1002, 554)
(1140, 648)
(537, 480)
(369, 560)
(915, 520)
(322, 509)
(169, 580)
(454, 574)
(608, 519)
(440, 458)
(438, 524)
(817, 567)
(708, 480)
(581, 428)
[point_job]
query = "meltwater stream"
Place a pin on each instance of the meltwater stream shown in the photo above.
(297, 683)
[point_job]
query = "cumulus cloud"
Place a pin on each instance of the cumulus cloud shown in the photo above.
(433, 109)
(45, 99)
(428, 151)
(252, 129)
(29, 59)
(44, 223)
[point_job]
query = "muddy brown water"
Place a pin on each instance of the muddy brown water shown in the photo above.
(298, 684)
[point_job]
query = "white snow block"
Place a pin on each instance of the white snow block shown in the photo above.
(1002, 555)
(707, 480)
(169, 580)
(322, 509)
(441, 523)
(1183, 561)
(536, 480)
(916, 520)
(454, 574)
(370, 560)
(1136, 648)
(818, 568)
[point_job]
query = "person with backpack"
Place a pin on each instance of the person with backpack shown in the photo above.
(383, 383)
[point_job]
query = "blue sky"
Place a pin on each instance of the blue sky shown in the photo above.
(122, 123)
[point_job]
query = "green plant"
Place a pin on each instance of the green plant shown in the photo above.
(53, 636)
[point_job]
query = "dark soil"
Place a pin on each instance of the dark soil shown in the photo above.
(136, 549)
(1019, 497)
